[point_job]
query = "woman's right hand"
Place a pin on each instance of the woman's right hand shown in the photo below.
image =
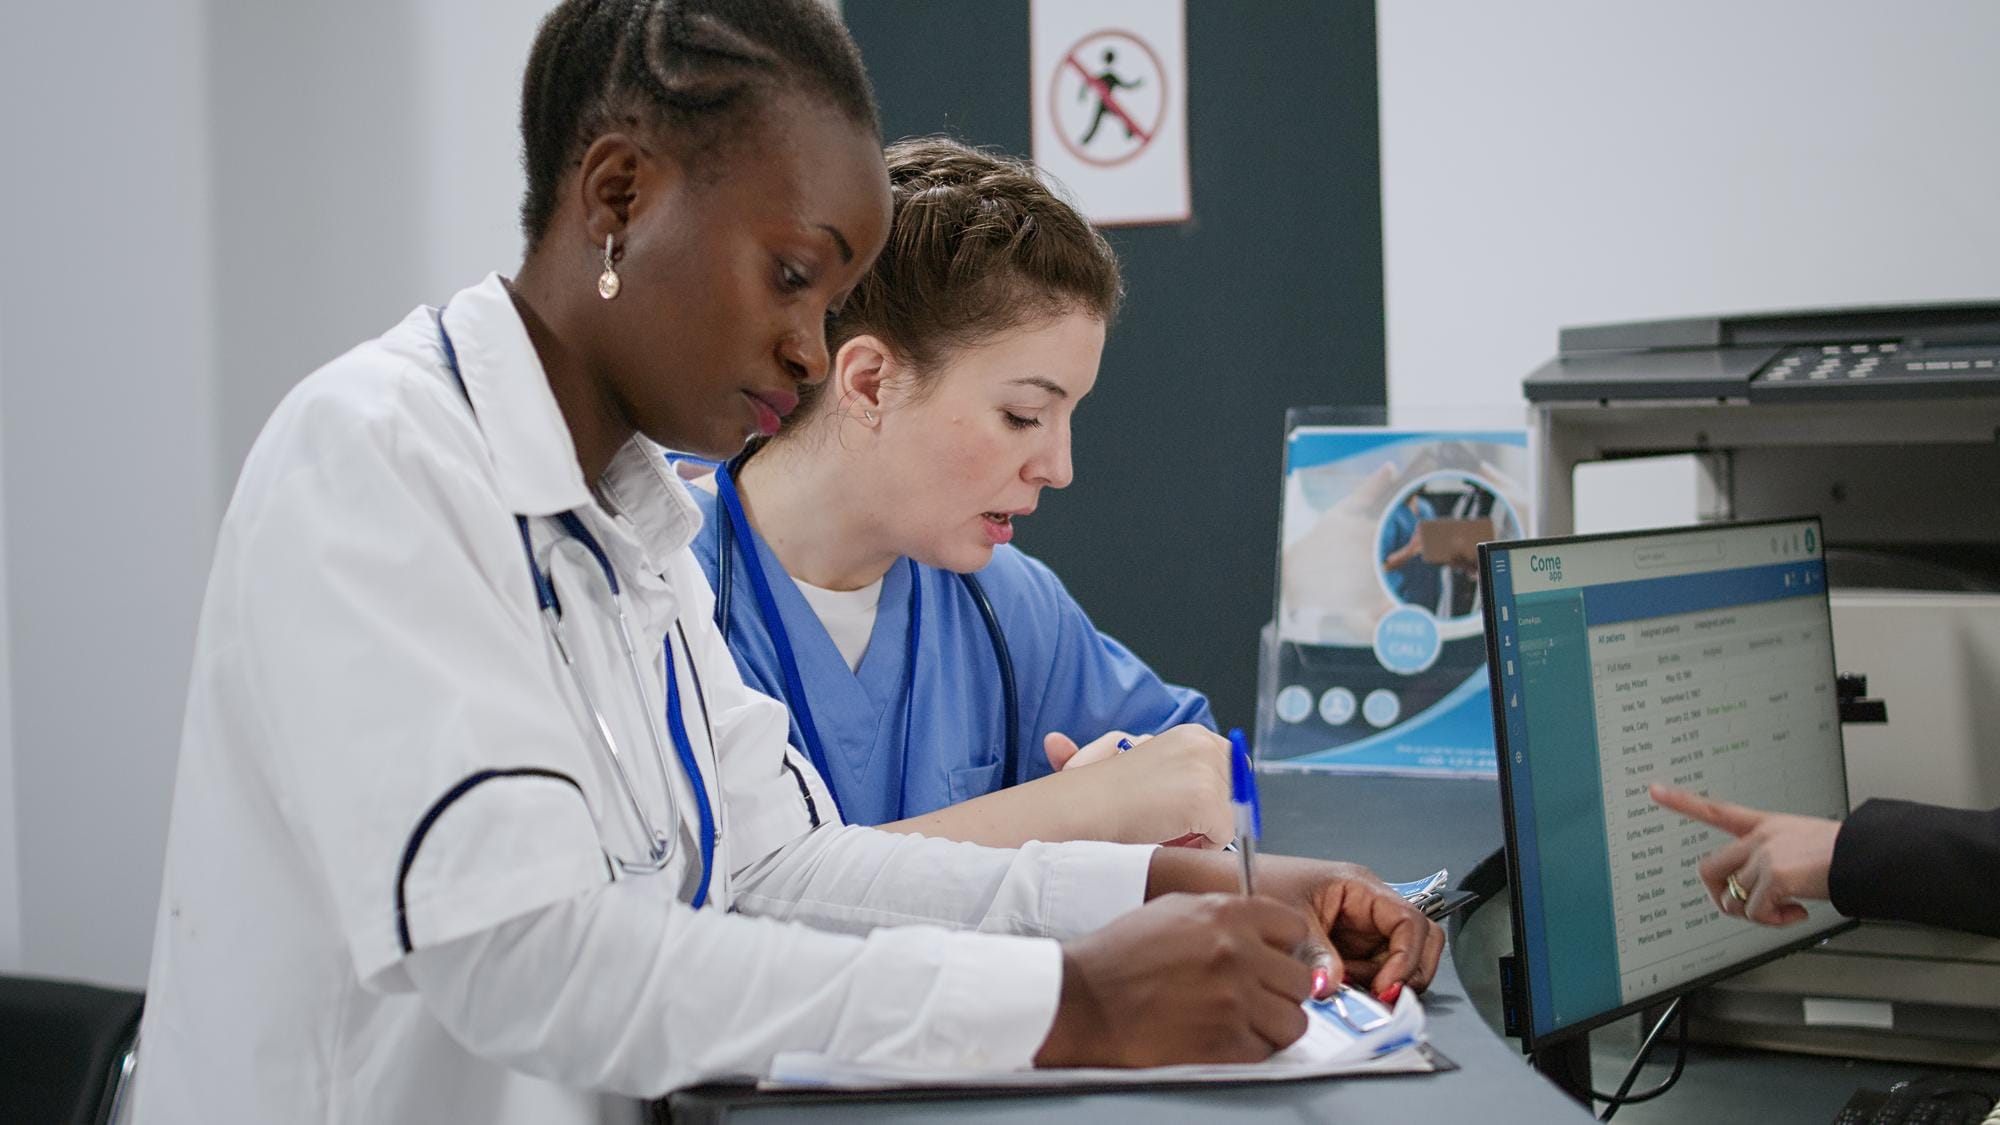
(1171, 788)
(1183, 979)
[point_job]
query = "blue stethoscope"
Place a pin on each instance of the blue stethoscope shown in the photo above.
(735, 526)
(660, 846)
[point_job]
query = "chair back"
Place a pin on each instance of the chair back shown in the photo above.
(67, 1050)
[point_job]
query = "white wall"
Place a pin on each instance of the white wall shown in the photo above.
(366, 161)
(10, 851)
(222, 195)
(316, 137)
(1555, 162)
(109, 485)
(469, 95)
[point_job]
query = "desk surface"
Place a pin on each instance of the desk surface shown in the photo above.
(1402, 828)
(1491, 1079)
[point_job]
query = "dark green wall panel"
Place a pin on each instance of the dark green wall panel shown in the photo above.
(1271, 297)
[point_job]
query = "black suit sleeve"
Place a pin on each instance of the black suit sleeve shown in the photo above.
(1906, 862)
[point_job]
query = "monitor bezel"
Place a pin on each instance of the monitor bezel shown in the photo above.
(1523, 993)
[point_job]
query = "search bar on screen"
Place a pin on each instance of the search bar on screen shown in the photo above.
(1677, 554)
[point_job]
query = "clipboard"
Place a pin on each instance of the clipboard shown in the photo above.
(1327, 1050)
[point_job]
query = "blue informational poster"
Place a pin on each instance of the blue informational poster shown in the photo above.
(1376, 660)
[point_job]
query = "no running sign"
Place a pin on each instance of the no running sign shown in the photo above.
(1110, 105)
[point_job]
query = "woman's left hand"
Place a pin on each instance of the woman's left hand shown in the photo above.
(1064, 753)
(1383, 941)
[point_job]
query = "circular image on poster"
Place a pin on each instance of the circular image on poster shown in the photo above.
(1426, 548)
(1294, 703)
(1337, 706)
(1381, 707)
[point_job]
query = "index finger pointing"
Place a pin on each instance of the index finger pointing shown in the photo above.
(1733, 819)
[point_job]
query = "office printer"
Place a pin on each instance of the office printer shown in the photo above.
(1886, 423)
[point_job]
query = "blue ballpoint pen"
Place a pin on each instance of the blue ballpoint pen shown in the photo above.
(1243, 794)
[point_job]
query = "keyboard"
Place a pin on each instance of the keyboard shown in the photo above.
(1927, 1102)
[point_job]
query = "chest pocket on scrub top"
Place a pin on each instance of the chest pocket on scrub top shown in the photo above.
(976, 780)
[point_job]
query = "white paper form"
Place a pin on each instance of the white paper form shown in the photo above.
(1326, 1050)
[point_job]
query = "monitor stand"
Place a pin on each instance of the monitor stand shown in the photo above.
(1567, 1064)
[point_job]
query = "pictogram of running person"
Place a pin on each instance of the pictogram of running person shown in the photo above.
(1108, 83)
(1107, 72)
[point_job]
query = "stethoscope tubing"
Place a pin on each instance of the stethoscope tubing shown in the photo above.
(661, 846)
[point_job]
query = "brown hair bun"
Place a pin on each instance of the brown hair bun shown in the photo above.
(978, 245)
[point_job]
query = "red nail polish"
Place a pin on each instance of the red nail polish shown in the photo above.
(1322, 984)
(1390, 993)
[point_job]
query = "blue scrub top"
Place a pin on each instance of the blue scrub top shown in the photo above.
(1069, 677)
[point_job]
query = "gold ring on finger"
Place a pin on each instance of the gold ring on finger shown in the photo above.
(1736, 890)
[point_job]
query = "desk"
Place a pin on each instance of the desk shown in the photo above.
(1401, 827)
(1492, 1086)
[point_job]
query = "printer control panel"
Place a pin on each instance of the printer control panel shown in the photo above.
(1887, 369)
(1879, 354)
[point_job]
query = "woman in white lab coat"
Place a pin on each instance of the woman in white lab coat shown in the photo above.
(474, 819)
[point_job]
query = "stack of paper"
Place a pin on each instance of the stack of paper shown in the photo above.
(1331, 1046)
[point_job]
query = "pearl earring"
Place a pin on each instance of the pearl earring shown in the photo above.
(607, 282)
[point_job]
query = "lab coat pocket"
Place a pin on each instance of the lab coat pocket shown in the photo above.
(976, 780)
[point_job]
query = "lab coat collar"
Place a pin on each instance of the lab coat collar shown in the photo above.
(534, 460)
(645, 489)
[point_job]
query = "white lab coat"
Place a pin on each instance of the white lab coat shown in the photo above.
(375, 709)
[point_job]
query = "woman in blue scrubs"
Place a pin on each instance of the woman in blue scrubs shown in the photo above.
(960, 361)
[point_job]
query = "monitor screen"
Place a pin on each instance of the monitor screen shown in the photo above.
(1700, 657)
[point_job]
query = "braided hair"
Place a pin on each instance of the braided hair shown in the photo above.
(694, 73)
(978, 245)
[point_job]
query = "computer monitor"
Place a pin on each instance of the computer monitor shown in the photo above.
(1701, 657)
